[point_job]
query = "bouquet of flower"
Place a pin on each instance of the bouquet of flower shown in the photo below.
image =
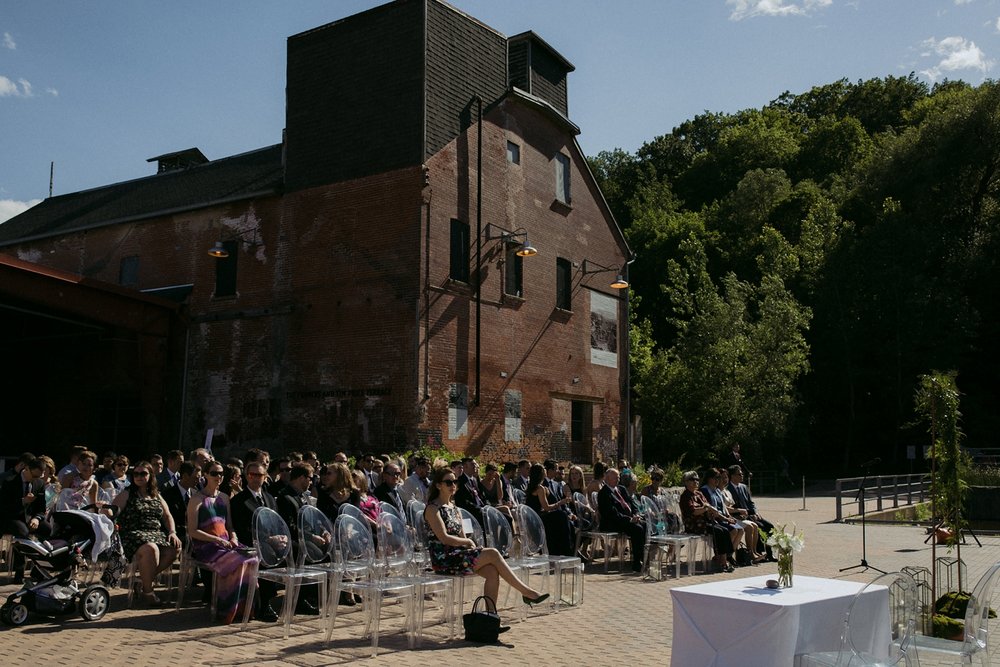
(785, 543)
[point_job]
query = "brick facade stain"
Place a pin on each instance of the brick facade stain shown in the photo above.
(346, 331)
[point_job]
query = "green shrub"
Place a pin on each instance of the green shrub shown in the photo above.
(983, 476)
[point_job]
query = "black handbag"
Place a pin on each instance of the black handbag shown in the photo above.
(482, 627)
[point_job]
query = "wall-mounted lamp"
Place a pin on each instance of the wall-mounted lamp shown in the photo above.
(593, 267)
(250, 237)
(494, 233)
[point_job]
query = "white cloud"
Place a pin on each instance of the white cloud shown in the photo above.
(19, 88)
(8, 41)
(957, 53)
(962, 2)
(10, 207)
(52, 91)
(743, 9)
(997, 25)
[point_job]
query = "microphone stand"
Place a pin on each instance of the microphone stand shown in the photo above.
(864, 529)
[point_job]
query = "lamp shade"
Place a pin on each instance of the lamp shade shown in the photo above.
(526, 249)
(620, 282)
(218, 251)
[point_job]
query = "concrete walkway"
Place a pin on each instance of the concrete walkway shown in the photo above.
(623, 621)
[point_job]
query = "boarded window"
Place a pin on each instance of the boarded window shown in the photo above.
(513, 278)
(564, 284)
(513, 153)
(459, 265)
(562, 178)
(128, 271)
(225, 270)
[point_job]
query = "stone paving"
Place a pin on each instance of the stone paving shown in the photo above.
(624, 619)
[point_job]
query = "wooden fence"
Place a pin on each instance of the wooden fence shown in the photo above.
(885, 490)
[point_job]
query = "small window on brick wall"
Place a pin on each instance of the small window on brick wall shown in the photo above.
(225, 270)
(562, 178)
(513, 153)
(564, 284)
(128, 271)
(459, 265)
(513, 277)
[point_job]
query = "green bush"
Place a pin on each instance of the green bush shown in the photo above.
(983, 476)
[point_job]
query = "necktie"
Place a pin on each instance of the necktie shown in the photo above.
(27, 488)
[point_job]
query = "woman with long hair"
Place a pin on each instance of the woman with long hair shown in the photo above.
(215, 543)
(597, 482)
(336, 488)
(147, 529)
(558, 523)
(455, 554)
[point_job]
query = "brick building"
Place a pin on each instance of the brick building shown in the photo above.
(373, 295)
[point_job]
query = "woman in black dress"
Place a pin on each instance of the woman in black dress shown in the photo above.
(453, 553)
(557, 521)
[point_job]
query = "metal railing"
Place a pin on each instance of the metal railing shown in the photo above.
(885, 490)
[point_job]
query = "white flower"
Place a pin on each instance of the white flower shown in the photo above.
(786, 541)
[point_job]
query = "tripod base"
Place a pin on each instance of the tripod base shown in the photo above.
(864, 564)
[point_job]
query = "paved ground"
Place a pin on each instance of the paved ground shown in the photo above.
(629, 616)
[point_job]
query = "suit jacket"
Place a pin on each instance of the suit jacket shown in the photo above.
(469, 496)
(288, 502)
(177, 505)
(519, 483)
(241, 509)
(614, 514)
(742, 498)
(390, 495)
(731, 458)
(12, 494)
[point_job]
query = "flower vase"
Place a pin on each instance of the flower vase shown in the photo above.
(785, 568)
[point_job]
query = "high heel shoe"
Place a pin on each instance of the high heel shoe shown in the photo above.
(540, 599)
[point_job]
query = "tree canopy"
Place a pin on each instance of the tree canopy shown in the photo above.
(800, 266)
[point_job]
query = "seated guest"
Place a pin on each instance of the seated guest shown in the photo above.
(415, 486)
(388, 490)
(337, 488)
(453, 553)
(116, 480)
(50, 481)
(742, 499)
(653, 490)
(82, 484)
(469, 495)
(22, 500)
(147, 529)
(597, 482)
(214, 541)
(168, 477)
(751, 532)
(496, 491)
(711, 489)
(292, 496)
(70, 468)
(178, 495)
(458, 467)
(631, 485)
(232, 480)
(617, 515)
(243, 505)
(278, 475)
(557, 520)
(520, 480)
(700, 518)
(106, 469)
(368, 505)
(576, 483)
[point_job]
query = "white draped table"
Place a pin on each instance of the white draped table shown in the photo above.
(741, 622)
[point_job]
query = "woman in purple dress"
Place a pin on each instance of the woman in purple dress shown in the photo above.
(216, 544)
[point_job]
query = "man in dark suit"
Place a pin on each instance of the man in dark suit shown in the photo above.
(23, 504)
(177, 495)
(469, 495)
(744, 501)
(617, 516)
(242, 507)
(520, 480)
(171, 470)
(734, 458)
(290, 500)
(388, 491)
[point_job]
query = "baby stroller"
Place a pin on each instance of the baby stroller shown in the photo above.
(53, 588)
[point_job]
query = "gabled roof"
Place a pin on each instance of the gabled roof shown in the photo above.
(252, 174)
(544, 107)
(531, 35)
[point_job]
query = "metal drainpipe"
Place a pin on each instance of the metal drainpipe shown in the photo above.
(479, 237)
(629, 440)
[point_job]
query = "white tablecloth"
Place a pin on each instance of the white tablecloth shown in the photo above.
(742, 623)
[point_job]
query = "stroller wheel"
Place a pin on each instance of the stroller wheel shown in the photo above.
(94, 603)
(14, 614)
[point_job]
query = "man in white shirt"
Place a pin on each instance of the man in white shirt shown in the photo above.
(416, 485)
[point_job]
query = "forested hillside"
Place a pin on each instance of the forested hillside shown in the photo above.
(799, 266)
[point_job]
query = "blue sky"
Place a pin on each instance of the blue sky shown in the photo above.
(99, 87)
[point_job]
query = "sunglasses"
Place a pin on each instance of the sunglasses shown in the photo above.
(214, 473)
(449, 482)
(140, 473)
(392, 473)
(255, 474)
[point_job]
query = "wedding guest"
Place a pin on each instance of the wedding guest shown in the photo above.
(232, 480)
(178, 495)
(147, 529)
(520, 481)
(700, 518)
(617, 515)
(453, 553)
(597, 481)
(751, 532)
(497, 492)
(243, 505)
(388, 490)
(168, 477)
(117, 480)
(22, 500)
(469, 495)
(337, 489)
(82, 483)
(416, 485)
(744, 500)
(368, 505)
(557, 520)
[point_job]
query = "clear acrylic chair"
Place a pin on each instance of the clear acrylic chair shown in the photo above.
(855, 642)
(608, 540)
(985, 598)
(395, 557)
(273, 541)
(392, 509)
(415, 522)
(356, 553)
(520, 497)
(659, 543)
(353, 512)
(316, 552)
(697, 543)
(500, 535)
(535, 550)
(185, 575)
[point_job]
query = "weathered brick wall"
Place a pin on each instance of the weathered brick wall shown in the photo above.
(527, 345)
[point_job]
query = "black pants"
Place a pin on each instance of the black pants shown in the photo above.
(637, 537)
(766, 526)
(720, 537)
(19, 528)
